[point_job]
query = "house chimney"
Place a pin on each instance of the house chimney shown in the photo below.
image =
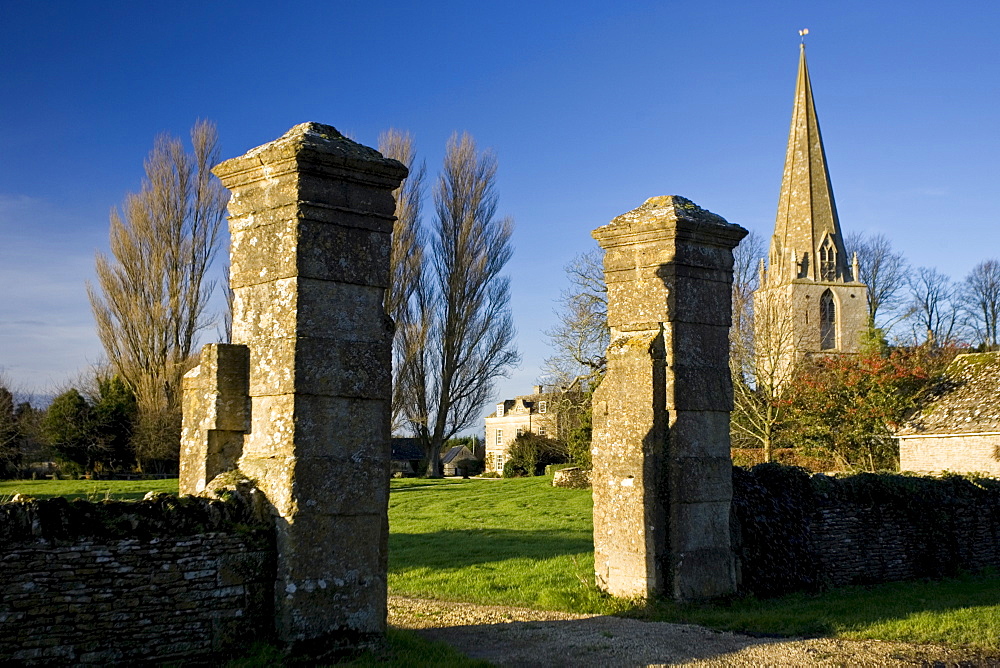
(537, 389)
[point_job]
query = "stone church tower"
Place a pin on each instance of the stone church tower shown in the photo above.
(810, 299)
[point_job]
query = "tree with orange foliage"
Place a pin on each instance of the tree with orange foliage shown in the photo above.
(849, 406)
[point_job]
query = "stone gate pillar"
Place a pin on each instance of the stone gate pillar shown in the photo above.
(662, 474)
(310, 217)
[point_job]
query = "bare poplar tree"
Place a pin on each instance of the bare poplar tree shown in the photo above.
(980, 295)
(151, 293)
(884, 271)
(468, 340)
(580, 336)
(933, 309)
(406, 262)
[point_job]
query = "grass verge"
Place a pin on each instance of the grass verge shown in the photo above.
(93, 490)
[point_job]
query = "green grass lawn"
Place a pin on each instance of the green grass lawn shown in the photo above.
(95, 490)
(522, 542)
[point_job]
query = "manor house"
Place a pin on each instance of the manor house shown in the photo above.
(542, 413)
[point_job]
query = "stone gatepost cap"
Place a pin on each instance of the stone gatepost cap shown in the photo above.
(314, 142)
(657, 213)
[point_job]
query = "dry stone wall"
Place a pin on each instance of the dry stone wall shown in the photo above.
(795, 532)
(118, 583)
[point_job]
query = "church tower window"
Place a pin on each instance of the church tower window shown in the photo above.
(827, 322)
(827, 260)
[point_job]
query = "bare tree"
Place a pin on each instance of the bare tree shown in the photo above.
(980, 298)
(225, 328)
(933, 309)
(406, 262)
(151, 293)
(747, 257)
(884, 271)
(762, 360)
(580, 336)
(466, 341)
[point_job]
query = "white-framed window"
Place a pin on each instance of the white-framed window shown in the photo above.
(499, 410)
(543, 406)
(499, 436)
(541, 431)
(520, 431)
(499, 463)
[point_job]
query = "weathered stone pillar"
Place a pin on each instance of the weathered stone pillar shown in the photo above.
(216, 415)
(310, 217)
(662, 474)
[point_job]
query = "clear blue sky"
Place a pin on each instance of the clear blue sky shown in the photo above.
(591, 107)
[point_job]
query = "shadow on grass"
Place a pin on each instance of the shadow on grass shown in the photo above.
(962, 611)
(443, 549)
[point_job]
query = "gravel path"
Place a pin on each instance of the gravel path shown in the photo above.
(522, 637)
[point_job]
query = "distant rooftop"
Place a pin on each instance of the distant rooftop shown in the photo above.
(968, 401)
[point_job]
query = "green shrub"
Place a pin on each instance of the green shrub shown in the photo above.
(529, 454)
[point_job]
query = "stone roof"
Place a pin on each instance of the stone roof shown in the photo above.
(967, 402)
(406, 449)
(457, 452)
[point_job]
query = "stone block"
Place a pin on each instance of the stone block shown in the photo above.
(698, 388)
(703, 574)
(323, 366)
(331, 574)
(364, 196)
(637, 302)
(699, 434)
(342, 427)
(701, 479)
(698, 345)
(343, 487)
(317, 426)
(309, 249)
(304, 307)
(272, 426)
(699, 526)
(700, 301)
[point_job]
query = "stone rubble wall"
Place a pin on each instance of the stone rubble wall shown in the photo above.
(573, 477)
(796, 532)
(119, 583)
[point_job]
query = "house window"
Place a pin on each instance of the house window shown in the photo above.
(543, 406)
(499, 410)
(827, 260)
(827, 322)
(499, 463)
(499, 436)
(520, 431)
(541, 431)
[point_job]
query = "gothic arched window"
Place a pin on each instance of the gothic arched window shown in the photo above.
(827, 260)
(827, 322)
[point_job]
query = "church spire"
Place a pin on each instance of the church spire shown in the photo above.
(807, 228)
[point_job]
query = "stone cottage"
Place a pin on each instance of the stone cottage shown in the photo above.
(959, 430)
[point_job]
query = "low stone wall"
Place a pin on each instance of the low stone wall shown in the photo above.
(118, 583)
(572, 477)
(794, 531)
